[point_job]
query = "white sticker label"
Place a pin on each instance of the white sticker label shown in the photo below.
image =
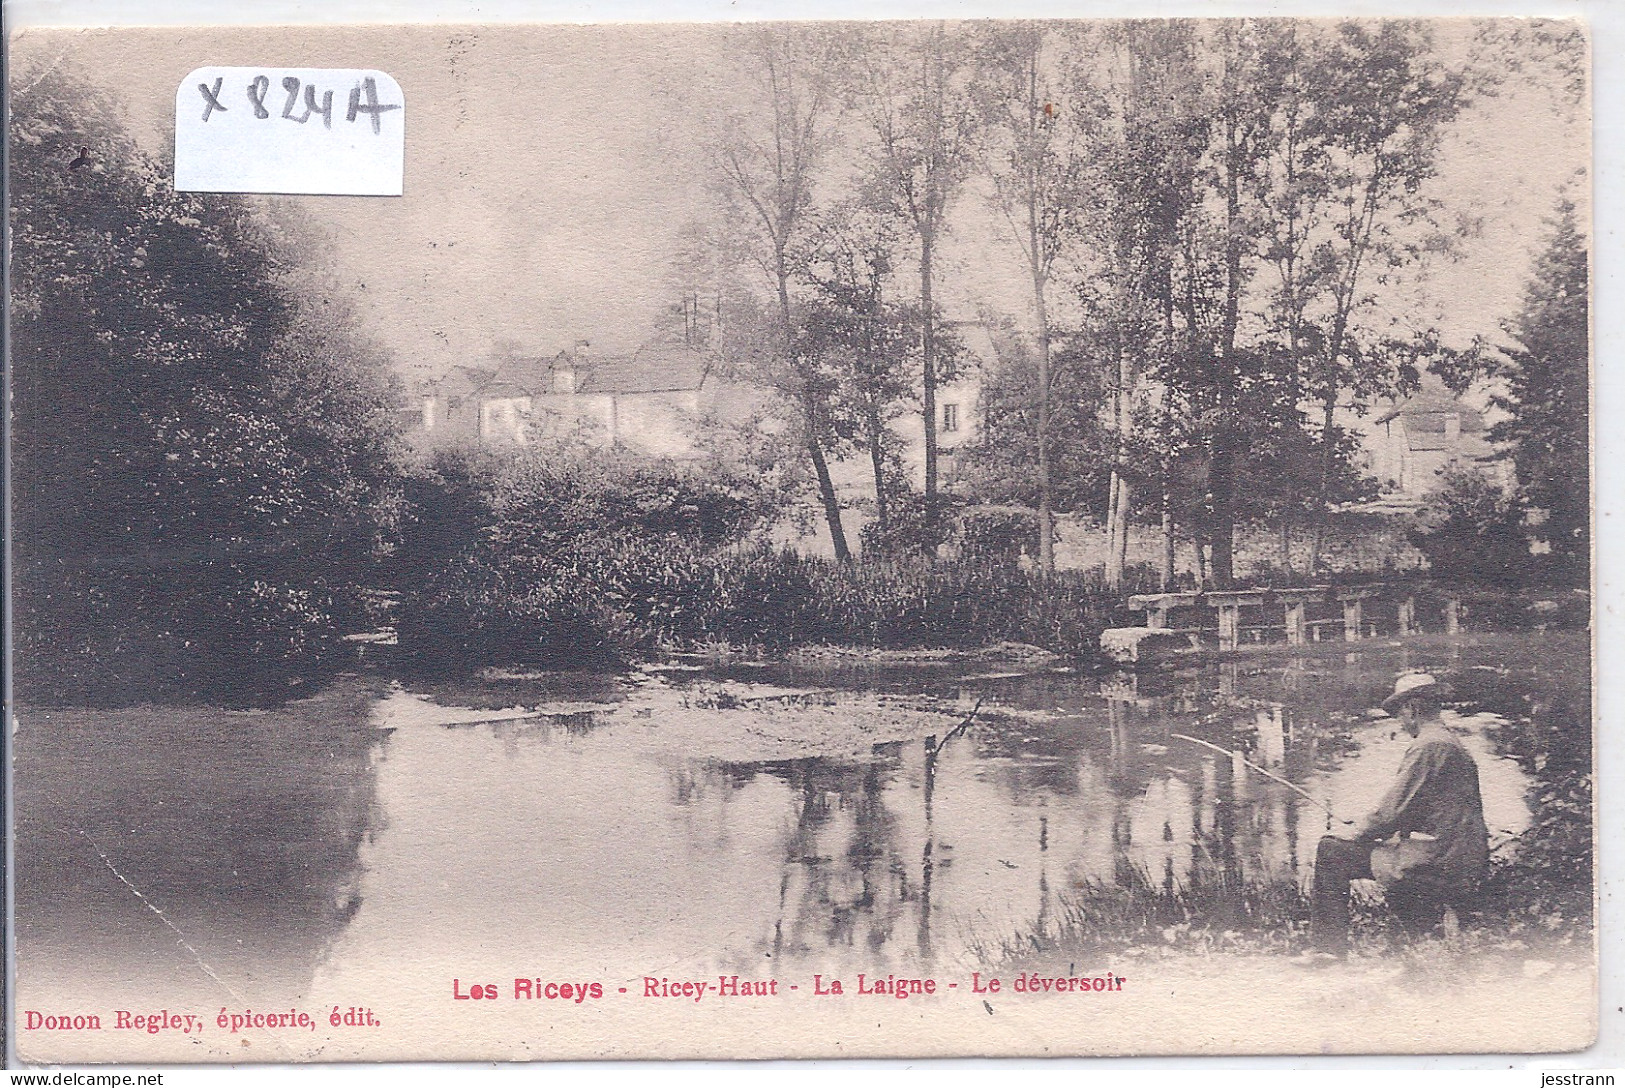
(290, 130)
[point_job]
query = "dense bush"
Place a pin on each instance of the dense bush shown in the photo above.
(200, 446)
(117, 637)
(567, 559)
(480, 610)
(533, 505)
(604, 599)
(998, 534)
(903, 603)
(911, 529)
(564, 555)
(1542, 882)
(1472, 531)
(995, 534)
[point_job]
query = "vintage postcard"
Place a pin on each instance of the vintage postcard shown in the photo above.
(914, 538)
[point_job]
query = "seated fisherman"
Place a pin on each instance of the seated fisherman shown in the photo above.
(1434, 809)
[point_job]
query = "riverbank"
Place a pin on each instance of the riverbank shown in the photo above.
(622, 600)
(760, 818)
(1533, 707)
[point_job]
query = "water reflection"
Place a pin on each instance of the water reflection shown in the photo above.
(191, 853)
(841, 880)
(616, 826)
(923, 851)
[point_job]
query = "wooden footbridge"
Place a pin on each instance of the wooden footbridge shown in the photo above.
(1297, 616)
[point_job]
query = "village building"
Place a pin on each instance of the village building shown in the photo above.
(649, 400)
(958, 418)
(1416, 440)
(652, 401)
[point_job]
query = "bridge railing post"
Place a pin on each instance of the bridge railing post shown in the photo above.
(1229, 625)
(1294, 623)
(1351, 619)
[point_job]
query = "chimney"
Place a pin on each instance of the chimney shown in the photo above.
(565, 368)
(1452, 429)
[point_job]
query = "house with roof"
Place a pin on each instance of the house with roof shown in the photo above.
(958, 421)
(650, 400)
(1416, 440)
(959, 402)
(646, 400)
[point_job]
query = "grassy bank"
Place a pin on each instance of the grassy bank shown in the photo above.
(1212, 911)
(603, 601)
(1228, 913)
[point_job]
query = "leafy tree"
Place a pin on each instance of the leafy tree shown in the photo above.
(999, 461)
(1241, 385)
(863, 339)
(1553, 52)
(1364, 107)
(202, 455)
(1037, 159)
(767, 156)
(1231, 149)
(1547, 396)
(1146, 133)
(1472, 531)
(913, 89)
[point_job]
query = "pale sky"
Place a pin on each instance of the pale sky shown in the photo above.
(548, 181)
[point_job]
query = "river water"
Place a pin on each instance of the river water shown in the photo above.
(680, 821)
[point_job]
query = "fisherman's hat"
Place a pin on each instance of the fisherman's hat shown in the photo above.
(1409, 686)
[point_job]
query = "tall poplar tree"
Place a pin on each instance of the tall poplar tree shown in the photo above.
(767, 156)
(1037, 156)
(1547, 376)
(913, 88)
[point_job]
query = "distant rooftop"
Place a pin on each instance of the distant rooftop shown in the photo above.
(1427, 416)
(659, 367)
(1429, 407)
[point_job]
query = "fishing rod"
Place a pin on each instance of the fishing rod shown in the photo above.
(960, 728)
(1294, 787)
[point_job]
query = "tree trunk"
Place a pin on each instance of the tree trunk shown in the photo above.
(928, 349)
(1222, 478)
(809, 411)
(877, 460)
(1222, 535)
(1046, 516)
(1167, 540)
(1038, 264)
(1223, 550)
(1117, 559)
(1318, 535)
(832, 505)
(1286, 547)
(1117, 512)
(1114, 576)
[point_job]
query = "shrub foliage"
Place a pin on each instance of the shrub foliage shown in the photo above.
(201, 452)
(576, 560)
